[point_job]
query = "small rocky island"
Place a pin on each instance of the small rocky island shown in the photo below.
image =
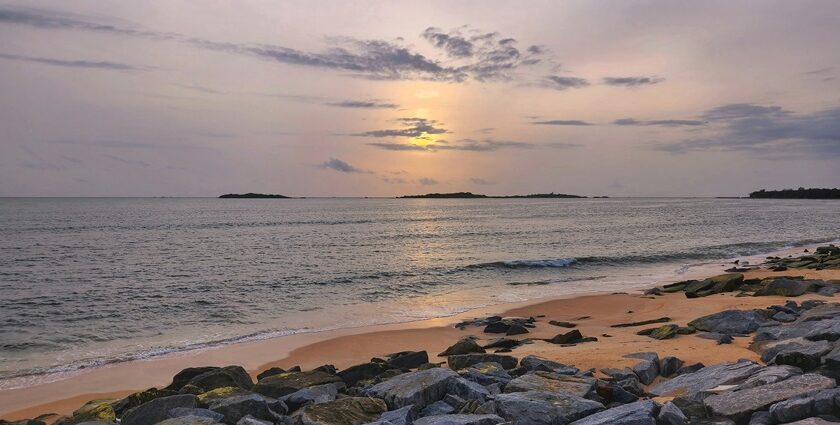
(468, 195)
(253, 196)
(801, 193)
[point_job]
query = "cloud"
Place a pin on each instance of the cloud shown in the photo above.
(632, 81)
(664, 123)
(820, 71)
(105, 65)
(120, 144)
(454, 44)
(481, 182)
(468, 145)
(769, 132)
(557, 82)
(394, 180)
(48, 19)
(127, 161)
(398, 147)
(426, 181)
(561, 145)
(339, 165)
(364, 104)
(412, 127)
(562, 122)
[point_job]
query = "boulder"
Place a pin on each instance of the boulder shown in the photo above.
(637, 413)
(543, 408)
(183, 377)
(535, 363)
(157, 410)
(402, 416)
(487, 374)
(503, 343)
(204, 399)
(716, 336)
(670, 414)
(408, 359)
(739, 405)
(467, 390)
(289, 382)
(571, 337)
(189, 420)
(250, 420)
(732, 322)
(669, 366)
(823, 402)
(100, 410)
(562, 324)
(439, 407)
(270, 371)
(516, 329)
(769, 375)
(784, 287)
(462, 361)
(362, 372)
(312, 395)
(646, 371)
(707, 378)
(463, 346)
(662, 332)
(140, 397)
(228, 376)
(187, 411)
(460, 420)
(260, 407)
(798, 352)
(499, 327)
(813, 421)
(552, 382)
(344, 411)
(418, 388)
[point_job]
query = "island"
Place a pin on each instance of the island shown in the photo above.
(801, 193)
(469, 195)
(253, 196)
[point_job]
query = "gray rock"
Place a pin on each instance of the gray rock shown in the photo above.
(487, 373)
(769, 375)
(784, 287)
(344, 411)
(402, 416)
(732, 322)
(460, 420)
(784, 317)
(638, 413)
(813, 421)
(619, 374)
(805, 406)
(646, 371)
(237, 407)
(467, 390)
(552, 382)
(229, 376)
(439, 407)
(408, 359)
(157, 410)
(463, 346)
(462, 361)
(287, 383)
(317, 394)
(716, 336)
(670, 414)
(250, 420)
(761, 418)
(188, 420)
(707, 378)
(798, 352)
(694, 367)
(187, 411)
(535, 363)
(669, 366)
(739, 405)
(644, 355)
(360, 372)
(419, 388)
(542, 408)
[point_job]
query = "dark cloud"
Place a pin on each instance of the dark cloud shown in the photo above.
(412, 127)
(454, 44)
(48, 19)
(557, 82)
(339, 165)
(769, 132)
(364, 104)
(127, 161)
(469, 145)
(820, 71)
(632, 81)
(112, 66)
(481, 182)
(394, 180)
(120, 144)
(561, 145)
(426, 181)
(562, 122)
(398, 146)
(663, 123)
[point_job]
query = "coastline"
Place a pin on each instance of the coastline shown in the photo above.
(345, 347)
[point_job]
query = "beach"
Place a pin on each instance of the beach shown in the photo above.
(346, 347)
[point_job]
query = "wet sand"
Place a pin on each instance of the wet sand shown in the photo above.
(346, 347)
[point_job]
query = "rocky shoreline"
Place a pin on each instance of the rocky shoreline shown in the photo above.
(481, 380)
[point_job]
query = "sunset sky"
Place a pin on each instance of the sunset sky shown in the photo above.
(383, 98)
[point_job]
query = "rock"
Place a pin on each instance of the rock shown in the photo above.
(611, 392)
(503, 343)
(462, 361)
(535, 363)
(646, 371)
(487, 374)
(499, 327)
(250, 420)
(552, 382)
(732, 322)
(183, 377)
(188, 420)
(289, 382)
(463, 346)
(642, 323)
(408, 359)
(784, 287)
(798, 352)
(707, 378)
(769, 375)
(663, 332)
(402, 416)
(784, 317)
(715, 336)
(813, 421)
(761, 418)
(208, 397)
(562, 324)
(437, 408)
(187, 411)
(157, 410)
(690, 368)
(670, 414)
(315, 395)
(344, 411)
(542, 408)
(328, 368)
(229, 376)
(460, 420)
(570, 337)
(467, 390)
(619, 374)
(713, 285)
(805, 406)
(100, 410)
(418, 388)
(669, 366)
(256, 405)
(362, 372)
(739, 405)
(637, 413)
(516, 329)
(140, 397)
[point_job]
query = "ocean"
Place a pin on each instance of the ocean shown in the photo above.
(88, 282)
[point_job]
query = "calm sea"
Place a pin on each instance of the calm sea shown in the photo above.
(86, 282)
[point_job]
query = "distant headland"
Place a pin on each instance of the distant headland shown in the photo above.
(469, 195)
(253, 196)
(800, 193)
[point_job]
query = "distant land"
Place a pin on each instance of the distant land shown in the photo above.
(467, 195)
(800, 193)
(253, 195)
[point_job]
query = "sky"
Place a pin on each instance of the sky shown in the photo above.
(386, 98)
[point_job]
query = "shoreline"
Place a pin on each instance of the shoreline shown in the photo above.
(348, 346)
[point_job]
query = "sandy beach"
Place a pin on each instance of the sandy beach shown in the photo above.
(347, 347)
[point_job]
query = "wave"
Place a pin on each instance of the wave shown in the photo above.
(517, 264)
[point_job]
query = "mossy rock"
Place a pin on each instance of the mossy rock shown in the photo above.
(140, 397)
(218, 393)
(664, 332)
(100, 410)
(345, 411)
